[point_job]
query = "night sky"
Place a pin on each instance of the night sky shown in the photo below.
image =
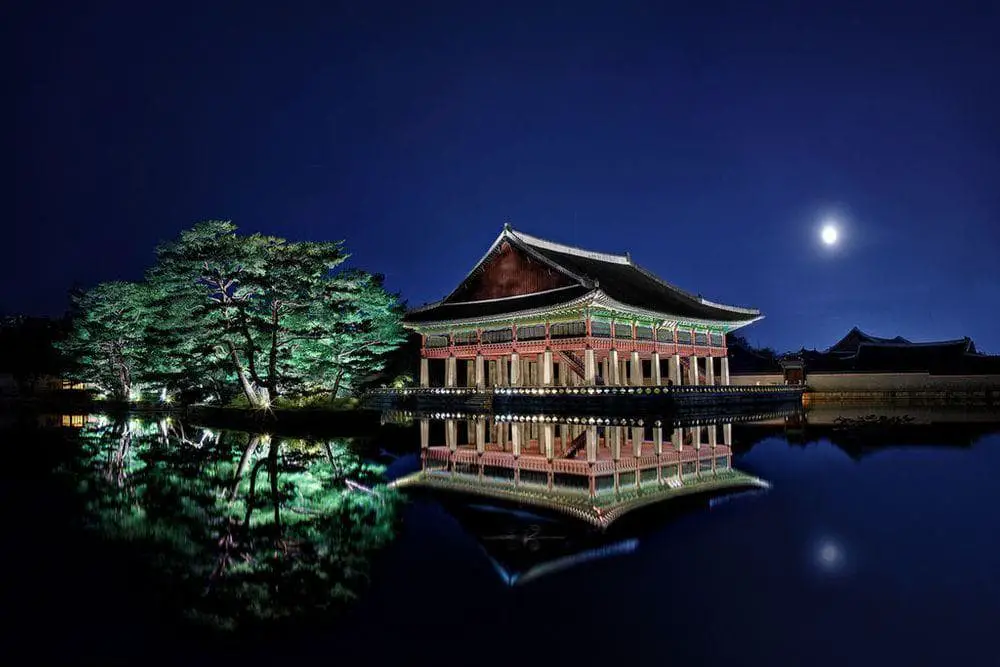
(709, 139)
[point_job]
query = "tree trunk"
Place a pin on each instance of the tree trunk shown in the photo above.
(248, 389)
(336, 383)
(272, 360)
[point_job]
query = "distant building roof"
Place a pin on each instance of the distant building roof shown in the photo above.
(550, 275)
(855, 337)
(862, 352)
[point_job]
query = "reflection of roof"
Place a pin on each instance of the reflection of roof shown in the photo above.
(589, 272)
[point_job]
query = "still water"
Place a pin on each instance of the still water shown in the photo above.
(146, 541)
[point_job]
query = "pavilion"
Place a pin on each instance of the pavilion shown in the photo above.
(534, 313)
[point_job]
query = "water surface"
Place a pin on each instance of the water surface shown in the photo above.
(873, 546)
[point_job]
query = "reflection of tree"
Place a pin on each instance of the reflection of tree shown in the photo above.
(236, 528)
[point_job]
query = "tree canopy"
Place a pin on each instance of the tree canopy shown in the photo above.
(223, 313)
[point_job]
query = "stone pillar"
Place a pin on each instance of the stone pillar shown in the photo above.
(727, 435)
(548, 440)
(450, 371)
(502, 377)
(637, 380)
(677, 439)
(564, 437)
(470, 373)
(562, 370)
(655, 367)
(451, 434)
(675, 368)
(529, 380)
(515, 370)
(425, 433)
(638, 433)
(480, 374)
(546, 364)
(516, 433)
(658, 440)
(591, 444)
(725, 371)
(481, 435)
(710, 371)
(622, 372)
(693, 371)
(613, 378)
(590, 367)
(425, 372)
(604, 371)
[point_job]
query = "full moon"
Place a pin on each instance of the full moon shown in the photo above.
(829, 234)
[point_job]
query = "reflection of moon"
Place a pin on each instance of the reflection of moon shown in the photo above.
(829, 234)
(829, 554)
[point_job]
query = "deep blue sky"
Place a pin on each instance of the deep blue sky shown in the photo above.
(709, 139)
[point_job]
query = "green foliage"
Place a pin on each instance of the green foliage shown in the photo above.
(271, 314)
(108, 344)
(222, 314)
(236, 528)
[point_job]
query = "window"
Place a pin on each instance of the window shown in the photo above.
(717, 340)
(437, 341)
(568, 329)
(700, 338)
(531, 332)
(623, 330)
(643, 332)
(665, 335)
(600, 329)
(498, 336)
(683, 337)
(465, 338)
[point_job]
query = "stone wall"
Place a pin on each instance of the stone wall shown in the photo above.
(838, 382)
(762, 379)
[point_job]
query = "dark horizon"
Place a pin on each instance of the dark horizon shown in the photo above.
(709, 144)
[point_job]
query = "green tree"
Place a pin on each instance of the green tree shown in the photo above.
(271, 315)
(108, 343)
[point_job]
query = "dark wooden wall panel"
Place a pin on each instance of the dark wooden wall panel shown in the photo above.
(510, 272)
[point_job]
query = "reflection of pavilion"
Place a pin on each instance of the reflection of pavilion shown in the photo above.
(595, 469)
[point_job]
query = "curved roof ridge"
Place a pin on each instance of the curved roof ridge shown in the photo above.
(568, 249)
(892, 343)
(694, 297)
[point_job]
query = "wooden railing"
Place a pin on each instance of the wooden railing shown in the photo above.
(592, 389)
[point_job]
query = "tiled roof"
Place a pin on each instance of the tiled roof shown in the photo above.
(637, 287)
(472, 309)
(614, 275)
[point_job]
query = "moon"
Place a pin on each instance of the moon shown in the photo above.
(829, 235)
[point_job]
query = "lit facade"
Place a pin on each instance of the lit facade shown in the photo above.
(533, 313)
